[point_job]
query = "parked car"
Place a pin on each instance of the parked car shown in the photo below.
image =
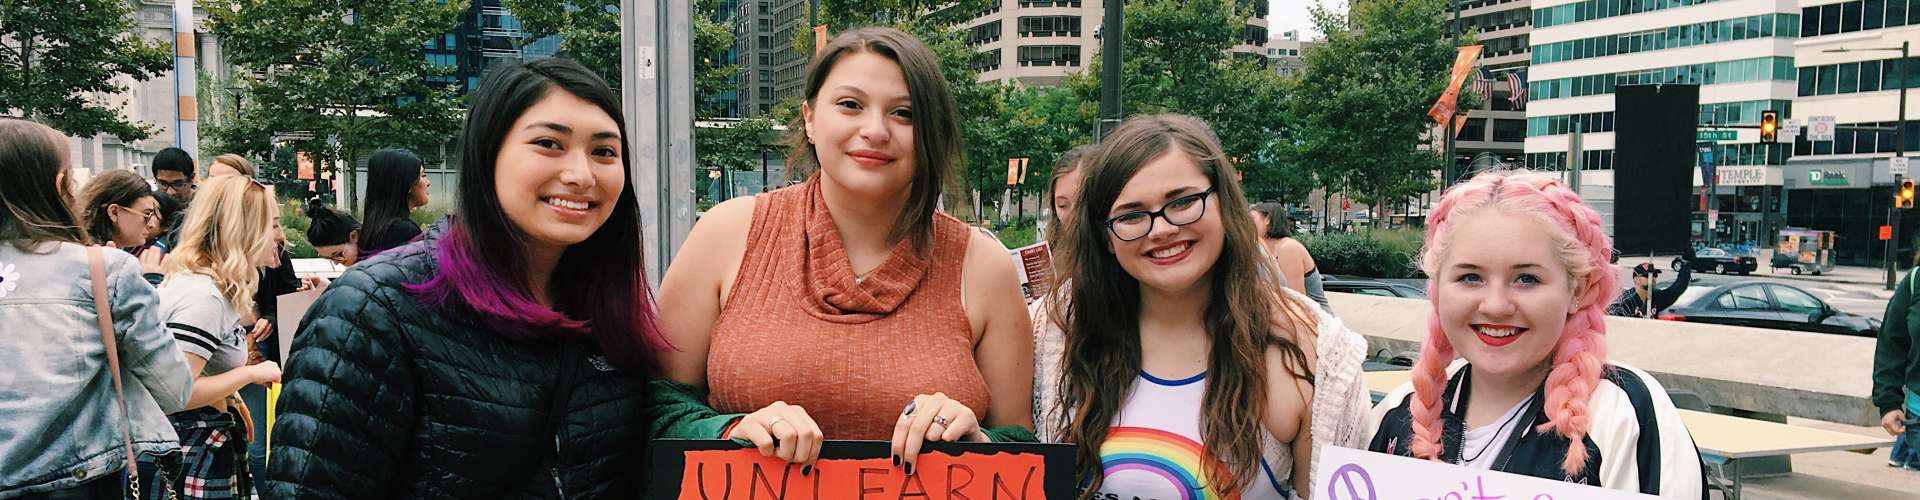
(1718, 261)
(1374, 287)
(1767, 305)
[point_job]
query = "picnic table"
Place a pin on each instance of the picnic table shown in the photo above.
(1722, 439)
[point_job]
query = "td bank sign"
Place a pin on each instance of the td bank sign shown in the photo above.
(1825, 177)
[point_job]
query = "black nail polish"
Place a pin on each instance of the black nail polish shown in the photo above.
(909, 468)
(896, 460)
(806, 470)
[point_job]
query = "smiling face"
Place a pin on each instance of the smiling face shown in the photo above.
(1167, 258)
(861, 126)
(558, 174)
(1503, 294)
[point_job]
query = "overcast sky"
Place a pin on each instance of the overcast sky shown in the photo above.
(1285, 15)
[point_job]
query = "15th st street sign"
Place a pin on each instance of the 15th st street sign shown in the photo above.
(1714, 135)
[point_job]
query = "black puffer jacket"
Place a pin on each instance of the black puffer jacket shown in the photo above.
(386, 399)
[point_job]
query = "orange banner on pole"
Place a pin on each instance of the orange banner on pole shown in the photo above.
(819, 39)
(1443, 110)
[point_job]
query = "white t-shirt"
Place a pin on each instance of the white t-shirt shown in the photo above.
(201, 322)
(1480, 447)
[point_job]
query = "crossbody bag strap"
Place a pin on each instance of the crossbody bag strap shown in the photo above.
(97, 266)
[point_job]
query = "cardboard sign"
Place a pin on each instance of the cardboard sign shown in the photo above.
(292, 307)
(854, 470)
(1035, 265)
(1350, 474)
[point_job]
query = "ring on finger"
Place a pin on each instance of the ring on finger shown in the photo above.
(940, 420)
(776, 420)
(910, 407)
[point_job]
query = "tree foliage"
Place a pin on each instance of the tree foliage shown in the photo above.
(63, 59)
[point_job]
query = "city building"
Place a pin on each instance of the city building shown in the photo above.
(1849, 68)
(1495, 131)
(763, 32)
(1040, 42)
(1740, 52)
(1286, 53)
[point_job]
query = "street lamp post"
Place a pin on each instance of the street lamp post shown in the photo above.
(1899, 150)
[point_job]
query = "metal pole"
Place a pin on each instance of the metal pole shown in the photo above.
(1110, 81)
(1900, 138)
(1453, 164)
(657, 89)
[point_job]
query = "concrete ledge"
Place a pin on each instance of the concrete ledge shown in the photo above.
(1807, 375)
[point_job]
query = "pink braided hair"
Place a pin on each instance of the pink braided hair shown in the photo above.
(1580, 356)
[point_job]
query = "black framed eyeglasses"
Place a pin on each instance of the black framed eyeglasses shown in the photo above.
(1179, 212)
(179, 185)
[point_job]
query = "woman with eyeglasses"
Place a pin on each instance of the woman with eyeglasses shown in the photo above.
(1188, 371)
(120, 211)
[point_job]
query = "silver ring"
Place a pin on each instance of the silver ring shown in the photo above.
(909, 411)
(940, 419)
(776, 420)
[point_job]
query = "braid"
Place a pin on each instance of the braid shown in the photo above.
(1429, 380)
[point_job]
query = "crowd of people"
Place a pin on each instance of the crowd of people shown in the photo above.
(516, 349)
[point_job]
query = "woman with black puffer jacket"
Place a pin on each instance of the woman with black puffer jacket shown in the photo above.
(504, 355)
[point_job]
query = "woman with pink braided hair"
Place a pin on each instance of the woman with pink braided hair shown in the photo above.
(1520, 285)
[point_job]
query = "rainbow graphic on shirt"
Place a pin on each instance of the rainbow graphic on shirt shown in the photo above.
(1160, 453)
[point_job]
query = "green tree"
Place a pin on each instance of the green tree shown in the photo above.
(350, 76)
(1365, 94)
(61, 59)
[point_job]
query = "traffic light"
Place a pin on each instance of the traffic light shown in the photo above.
(1905, 198)
(1769, 126)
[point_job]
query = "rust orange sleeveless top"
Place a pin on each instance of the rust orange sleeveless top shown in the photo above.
(799, 327)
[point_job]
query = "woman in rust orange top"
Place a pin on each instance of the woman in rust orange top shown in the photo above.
(847, 307)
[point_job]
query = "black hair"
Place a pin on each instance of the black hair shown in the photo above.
(174, 160)
(328, 227)
(391, 175)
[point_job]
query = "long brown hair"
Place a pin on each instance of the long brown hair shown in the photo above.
(115, 187)
(33, 208)
(936, 126)
(1245, 308)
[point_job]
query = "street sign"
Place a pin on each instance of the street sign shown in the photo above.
(1713, 216)
(1898, 165)
(1790, 128)
(1714, 135)
(1820, 128)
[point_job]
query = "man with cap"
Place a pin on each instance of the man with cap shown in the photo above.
(1633, 302)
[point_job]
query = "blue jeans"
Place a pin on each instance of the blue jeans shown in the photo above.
(255, 395)
(1906, 446)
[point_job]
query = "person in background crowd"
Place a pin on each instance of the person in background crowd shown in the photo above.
(396, 184)
(1063, 189)
(60, 426)
(893, 321)
(207, 299)
(506, 354)
(175, 171)
(1296, 264)
(171, 212)
(1520, 279)
(230, 164)
(334, 235)
(1896, 372)
(1633, 302)
(120, 211)
(1170, 310)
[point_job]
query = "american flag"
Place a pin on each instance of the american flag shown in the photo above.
(1482, 85)
(1516, 90)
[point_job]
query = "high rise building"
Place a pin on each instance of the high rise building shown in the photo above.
(1740, 52)
(1040, 42)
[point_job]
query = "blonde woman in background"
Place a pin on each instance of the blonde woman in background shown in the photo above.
(232, 230)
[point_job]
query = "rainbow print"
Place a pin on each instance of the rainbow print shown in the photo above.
(1160, 453)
